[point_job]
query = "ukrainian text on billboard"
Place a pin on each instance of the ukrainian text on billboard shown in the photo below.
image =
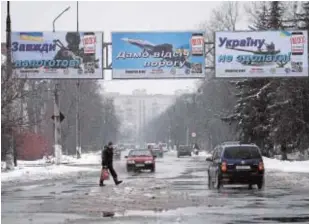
(142, 55)
(57, 55)
(262, 54)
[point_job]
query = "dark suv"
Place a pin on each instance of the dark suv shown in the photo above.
(236, 163)
(184, 150)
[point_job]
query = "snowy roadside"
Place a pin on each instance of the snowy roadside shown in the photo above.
(24, 174)
(286, 166)
(43, 170)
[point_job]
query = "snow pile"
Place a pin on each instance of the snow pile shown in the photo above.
(202, 154)
(286, 166)
(23, 163)
(42, 173)
(171, 153)
(45, 169)
(86, 159)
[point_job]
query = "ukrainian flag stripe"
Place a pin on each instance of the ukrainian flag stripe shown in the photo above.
(285, 34)
(32, 36)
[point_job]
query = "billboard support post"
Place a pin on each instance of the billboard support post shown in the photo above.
(57, 124)
(9, 133)
(78, 143)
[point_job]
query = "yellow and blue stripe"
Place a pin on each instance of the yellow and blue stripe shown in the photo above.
(31, 36)
(285, 34)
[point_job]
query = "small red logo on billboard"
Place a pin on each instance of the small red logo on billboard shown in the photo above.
(50, 70)
(197, 44)
(256, 70)
(89, 42)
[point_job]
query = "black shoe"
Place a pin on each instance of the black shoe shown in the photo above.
(101, 184)
(117, 182)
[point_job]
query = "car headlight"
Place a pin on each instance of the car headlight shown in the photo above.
(131, 161)
(148, 162)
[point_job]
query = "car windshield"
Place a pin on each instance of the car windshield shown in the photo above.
(140, 153)
(241, 152)
(184, 148)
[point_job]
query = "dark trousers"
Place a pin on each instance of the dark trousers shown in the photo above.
(112, 172)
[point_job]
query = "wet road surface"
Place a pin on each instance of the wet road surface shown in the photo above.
(162, 197)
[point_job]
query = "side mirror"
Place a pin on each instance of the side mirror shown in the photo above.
(154, 156)
(126, 157)
(209, 159)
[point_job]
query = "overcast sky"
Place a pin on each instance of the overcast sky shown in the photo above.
(114, 16)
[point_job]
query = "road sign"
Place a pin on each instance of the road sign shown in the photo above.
(193, 134)
(61, 117)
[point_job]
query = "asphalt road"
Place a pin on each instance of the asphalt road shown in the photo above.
(157, 198)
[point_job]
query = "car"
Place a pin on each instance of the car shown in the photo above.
(184, 150)
(158, 152)
(236, 163)
(140, 159)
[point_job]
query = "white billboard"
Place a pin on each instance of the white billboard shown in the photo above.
(261, 54)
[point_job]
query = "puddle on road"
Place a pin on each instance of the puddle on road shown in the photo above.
(69, 191)
(286, 219)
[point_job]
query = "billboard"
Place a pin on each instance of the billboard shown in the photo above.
(151, 55)
(57, 55)
(261, 54)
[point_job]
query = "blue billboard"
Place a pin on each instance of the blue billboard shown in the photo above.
(151, 55)
(57, 55)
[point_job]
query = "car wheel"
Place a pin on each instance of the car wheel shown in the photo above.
(260, 185)
(128, 169)
(217, 183)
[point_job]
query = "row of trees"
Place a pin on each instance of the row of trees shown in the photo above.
(27, 107)
(272, 112)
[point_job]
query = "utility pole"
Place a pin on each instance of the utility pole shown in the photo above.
(78, 143)
(57, 124)
(9, 133)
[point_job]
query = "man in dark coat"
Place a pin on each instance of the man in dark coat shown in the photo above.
(107, 163)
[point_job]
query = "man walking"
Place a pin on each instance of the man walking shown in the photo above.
(107, 163)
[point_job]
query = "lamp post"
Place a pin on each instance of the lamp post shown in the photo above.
(57, 125)
(54, 21)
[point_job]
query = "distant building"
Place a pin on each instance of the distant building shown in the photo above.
(137, 109)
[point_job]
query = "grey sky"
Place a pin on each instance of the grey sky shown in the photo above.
(113, 16)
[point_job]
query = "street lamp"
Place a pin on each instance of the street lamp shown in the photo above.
(67, 9)
(57, 125)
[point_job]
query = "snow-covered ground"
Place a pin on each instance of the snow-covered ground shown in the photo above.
(42, 170)
(22, 174)
(286, 166)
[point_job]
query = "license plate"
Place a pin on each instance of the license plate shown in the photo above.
(140, 165)
(243, 167)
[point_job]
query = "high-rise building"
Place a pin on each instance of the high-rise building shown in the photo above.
(135, 110)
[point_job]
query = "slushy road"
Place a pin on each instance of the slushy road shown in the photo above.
(176, 193)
